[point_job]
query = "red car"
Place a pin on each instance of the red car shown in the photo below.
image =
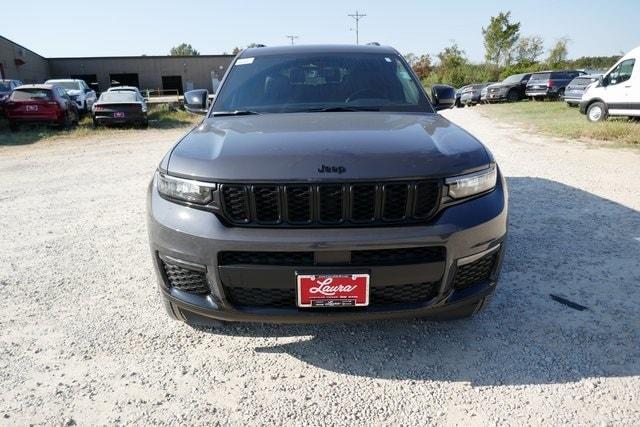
(43, 103)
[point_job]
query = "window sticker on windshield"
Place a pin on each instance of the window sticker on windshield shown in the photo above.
(244, 61)
(387, 59)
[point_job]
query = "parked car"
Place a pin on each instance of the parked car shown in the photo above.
(550, 84)
(575, 88)
(457, 103)
(510, 89)
(6, 86)
(472, 94)
(322, 185)
(42, 103)
(120, 107)
(617, 93)
(79, 91)
(125, 89)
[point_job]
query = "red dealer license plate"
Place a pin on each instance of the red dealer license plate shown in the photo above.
(333, 290)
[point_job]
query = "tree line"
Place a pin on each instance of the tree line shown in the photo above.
(507, 52)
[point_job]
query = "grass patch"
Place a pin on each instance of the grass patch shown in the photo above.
(557, 119)
(160, 117)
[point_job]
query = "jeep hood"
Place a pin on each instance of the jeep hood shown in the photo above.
(353, 145)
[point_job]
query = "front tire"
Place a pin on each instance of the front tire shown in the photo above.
(597, 112)
(512, 96)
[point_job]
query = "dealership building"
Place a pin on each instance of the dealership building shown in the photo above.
(166, 73)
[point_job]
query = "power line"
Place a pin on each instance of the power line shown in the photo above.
(357, 17)
(293, 38)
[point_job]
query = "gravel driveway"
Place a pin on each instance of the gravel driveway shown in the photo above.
(83, 338)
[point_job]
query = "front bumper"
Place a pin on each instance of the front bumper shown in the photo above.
(496, 96)
(194, 238)
(109, 119)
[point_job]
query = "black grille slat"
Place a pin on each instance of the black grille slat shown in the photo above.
(331, 204)
(261, 297)
(426, 199)
(402, 256)
(267, 204)
(328, 205)
(266, 258)
(475, 272)
(402, 294)
(394, 206)
(299, 204)
(186, 280)
(380, 296)
(363, 203)
(236, 202)
(371, 257)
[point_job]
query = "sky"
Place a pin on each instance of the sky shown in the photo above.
(135, 27)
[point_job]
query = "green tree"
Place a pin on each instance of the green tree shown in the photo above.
(183, 50)
(558, 53)
(499, 39)
(528, 50)
(236, 50)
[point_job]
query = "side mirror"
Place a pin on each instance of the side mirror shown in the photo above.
(443, 97)
(601, 81)
(197, 101)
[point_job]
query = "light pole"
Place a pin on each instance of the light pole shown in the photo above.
(357, 17)
(293, 38)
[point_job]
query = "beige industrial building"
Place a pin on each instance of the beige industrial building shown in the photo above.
(168, 73)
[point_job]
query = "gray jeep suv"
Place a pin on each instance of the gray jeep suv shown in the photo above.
(321, 186)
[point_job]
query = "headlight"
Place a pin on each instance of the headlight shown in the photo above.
(463, 186)
(185, 189)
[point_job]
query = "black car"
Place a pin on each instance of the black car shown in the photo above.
(550, 84)
(120, 108)
(323, 185)
(510, 89)
(576, 87)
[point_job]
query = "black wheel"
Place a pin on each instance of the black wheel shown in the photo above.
(512, 96)
(13, 126)
(144, 124)
(597, 112)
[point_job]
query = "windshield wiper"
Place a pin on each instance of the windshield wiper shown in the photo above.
(234, 113)
(340, 109)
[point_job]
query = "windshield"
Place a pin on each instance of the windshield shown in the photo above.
(5, 86)
(583, 81)
(312, 82)
(67, 85)
(540, 76)
(513, 79)
(30, 94)
(118, 96)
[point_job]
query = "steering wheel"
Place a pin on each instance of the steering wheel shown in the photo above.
(363, 93)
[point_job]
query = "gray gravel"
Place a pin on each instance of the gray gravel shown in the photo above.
(83, 338)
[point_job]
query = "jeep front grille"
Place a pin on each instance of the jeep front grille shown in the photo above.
(303, 205)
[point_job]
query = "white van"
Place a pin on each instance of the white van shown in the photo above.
(616, 93)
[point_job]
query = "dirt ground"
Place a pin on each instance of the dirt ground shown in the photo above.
(83, 338)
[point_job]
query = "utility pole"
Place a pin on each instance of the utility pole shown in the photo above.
(292, 39)
(357, 17)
